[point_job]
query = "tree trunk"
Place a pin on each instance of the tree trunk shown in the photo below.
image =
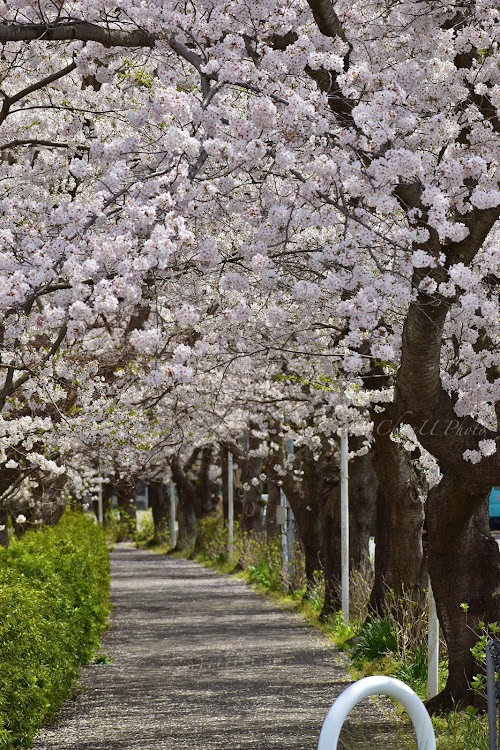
(304, 499)
(363, 488)
(125, 494)
(186, 513)
(404, 512)
(464, 571)
(160, 507)
(330, 549)
(4, 533)
(273, 498)
(252, 511)
(186, 536)
(382, 580)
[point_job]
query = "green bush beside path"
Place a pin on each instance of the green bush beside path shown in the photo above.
(54, 604)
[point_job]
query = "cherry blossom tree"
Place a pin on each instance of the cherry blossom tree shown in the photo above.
(166, 163)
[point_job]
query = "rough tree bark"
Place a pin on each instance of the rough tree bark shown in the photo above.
(125, 495)
(160, 507)
(4, 533)
(304, 498)
(273, 494)
(315, 501)
(463, 561)
(188, 498)
(252, 517)
(401, 516)
(464, 570)
(197, 497)
(382, 574)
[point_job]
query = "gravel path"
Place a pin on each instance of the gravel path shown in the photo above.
(201, 662)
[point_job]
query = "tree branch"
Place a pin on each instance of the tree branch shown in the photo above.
(12, 385)
(78, 30)
(326, 19)
(10, 100)
(36, 142)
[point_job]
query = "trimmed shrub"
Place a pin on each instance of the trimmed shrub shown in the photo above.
(54, 604)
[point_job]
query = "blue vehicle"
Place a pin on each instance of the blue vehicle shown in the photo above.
(494, 508)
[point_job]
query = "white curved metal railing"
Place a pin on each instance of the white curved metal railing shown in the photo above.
(377, 685)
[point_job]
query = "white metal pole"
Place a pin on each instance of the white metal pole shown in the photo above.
(284, 541)
(173, 530)
(344, 523)
(290, 533)
(290, 523)
(432, 646)
(100, 515)
(491, 697)
(230, 505)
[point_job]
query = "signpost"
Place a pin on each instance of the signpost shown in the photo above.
(344, 523)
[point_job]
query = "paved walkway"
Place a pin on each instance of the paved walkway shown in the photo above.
(201, 662)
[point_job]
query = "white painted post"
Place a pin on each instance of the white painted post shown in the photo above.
(491, 697)
(290, 533)
(100, 515)
(432, 646)
(377, 685)
(173, 530)
(230, 506)
(344, 523)
(284, 541)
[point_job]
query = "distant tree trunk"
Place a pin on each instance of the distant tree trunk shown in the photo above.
(160, 507)
(187, 494)
(304, 499)
(107, 494)
(330, 549)
(363, 488)
(362, 502)
(273, 499)
(382, 580)
(9, 479)
(45, 506)
(251, 468)
(4, 533)
(125, 494)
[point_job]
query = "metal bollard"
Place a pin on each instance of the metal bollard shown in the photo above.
(377, 685)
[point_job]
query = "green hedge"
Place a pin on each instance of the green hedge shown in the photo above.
(54, 604)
